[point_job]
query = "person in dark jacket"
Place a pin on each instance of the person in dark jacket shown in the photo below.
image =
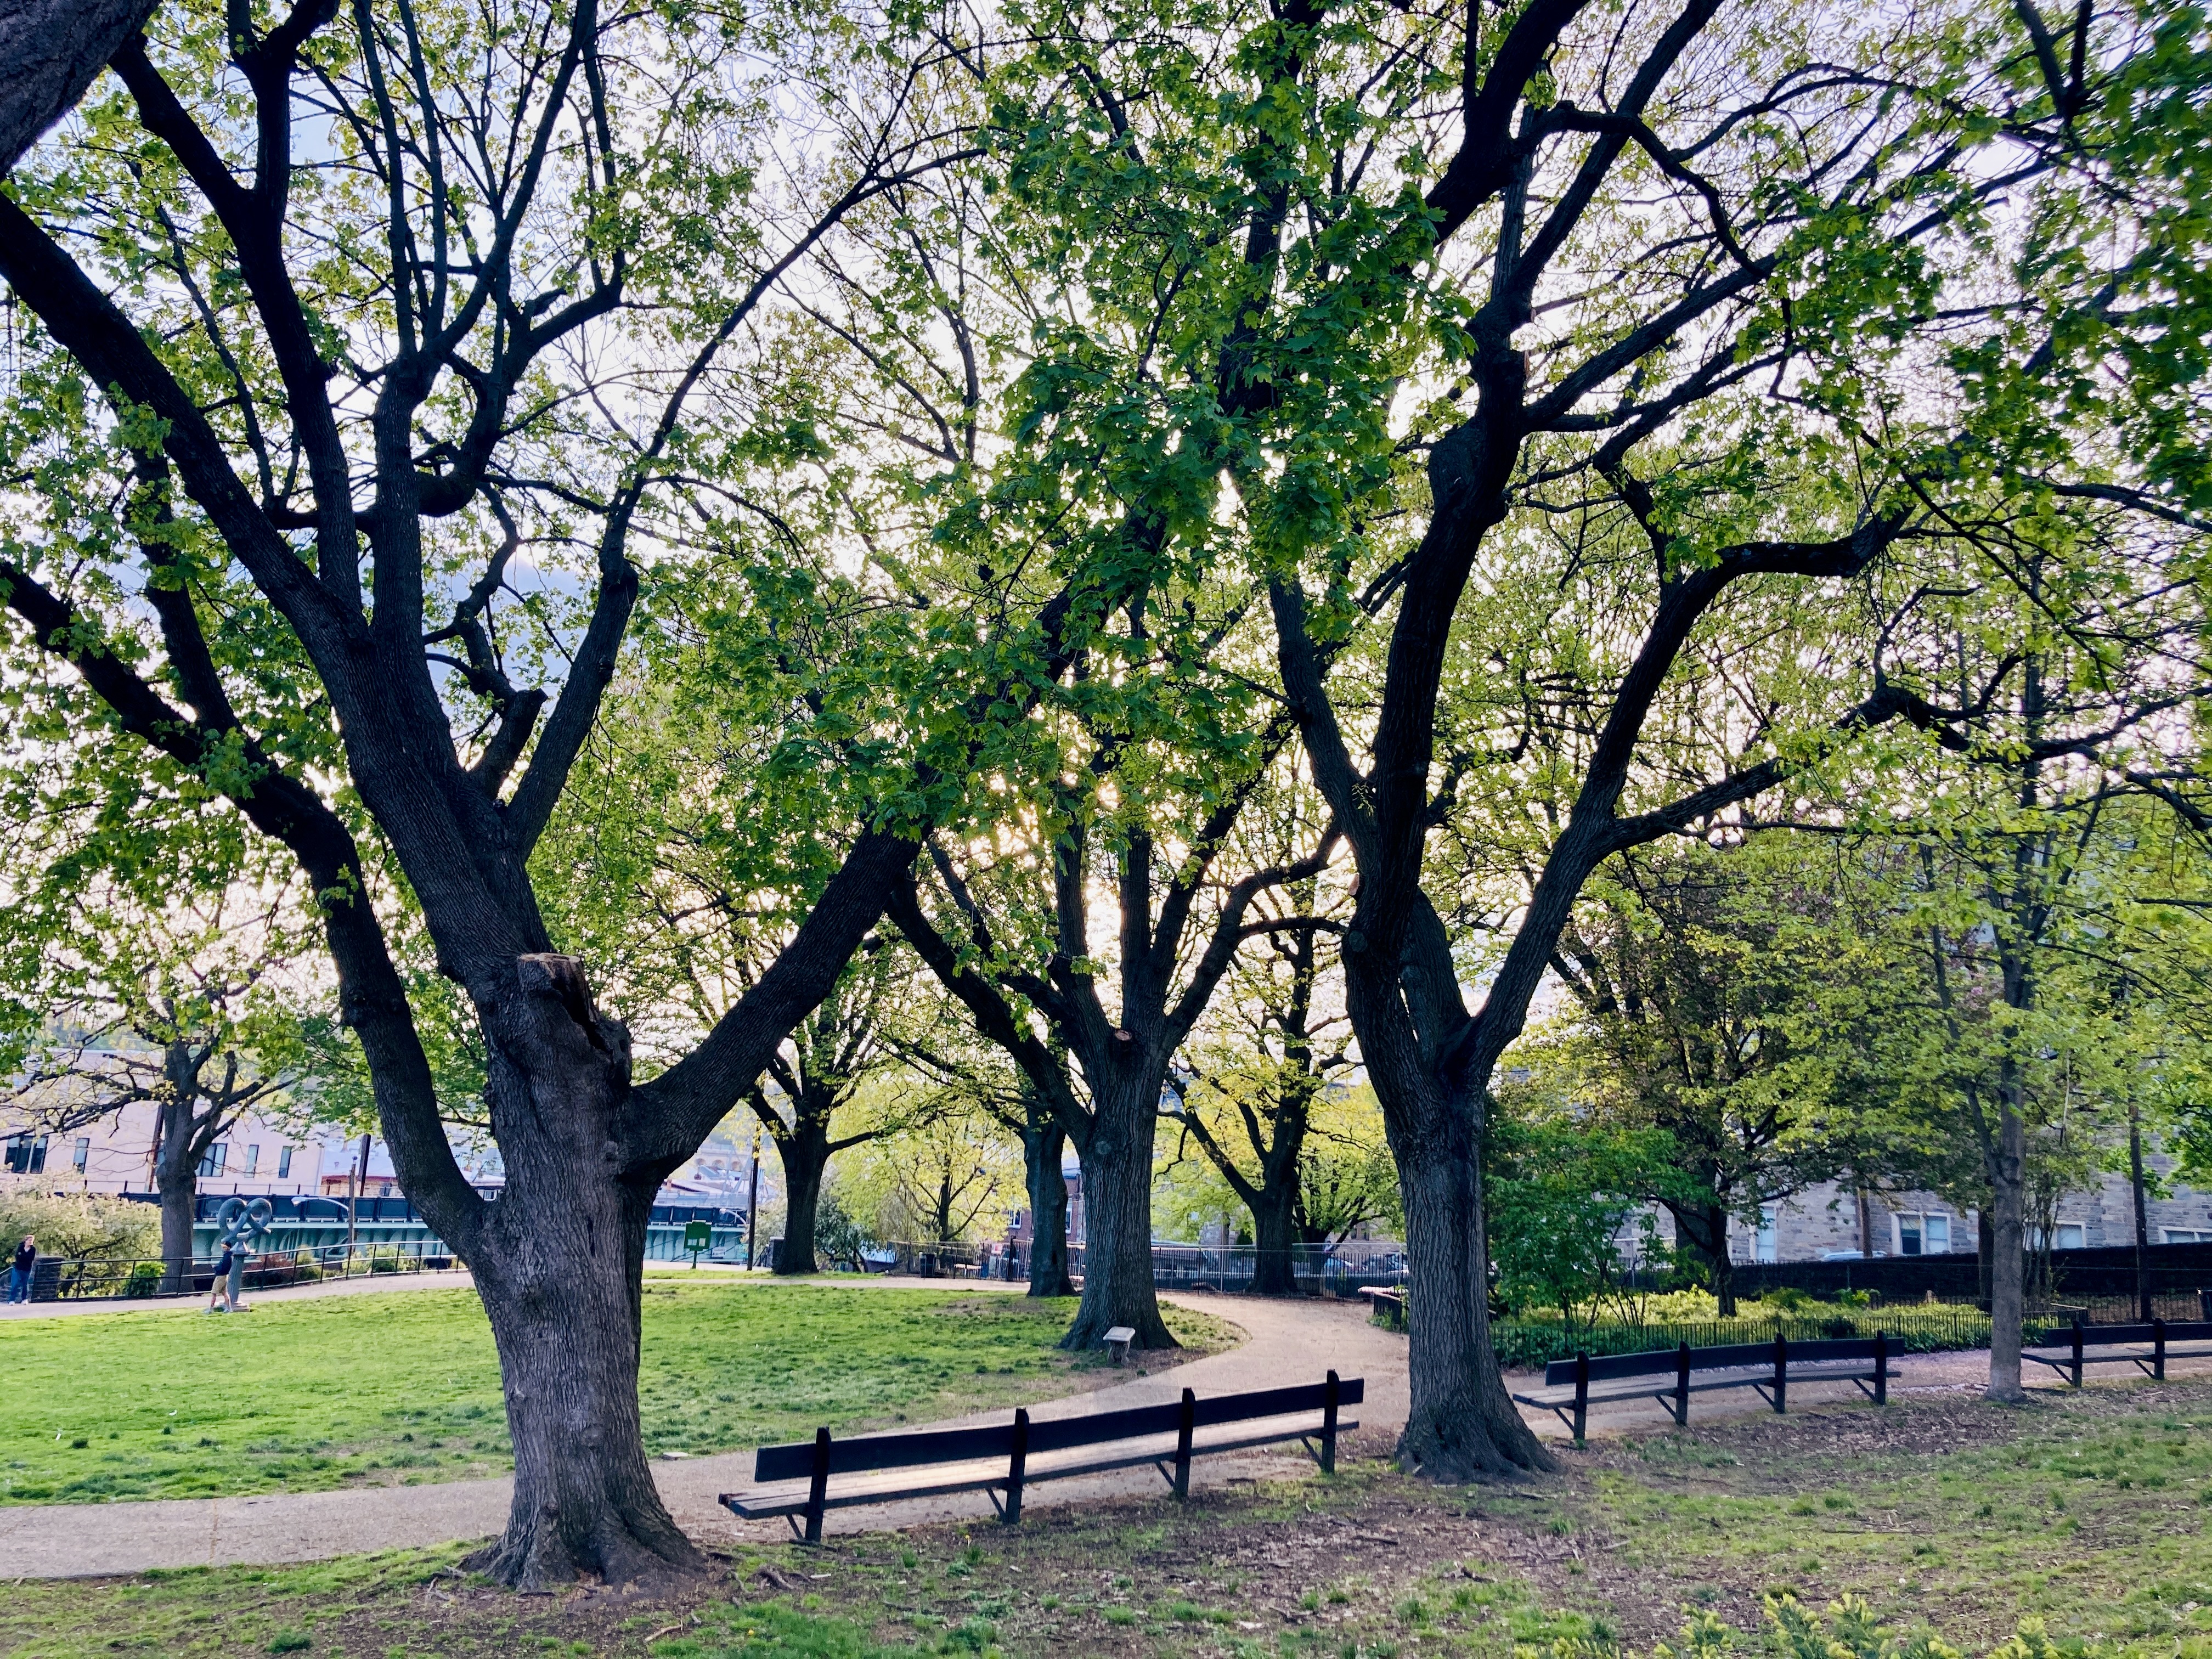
(19, 1273)
(220, 1292)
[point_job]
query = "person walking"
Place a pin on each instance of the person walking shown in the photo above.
(220, 1292)
(19, 1272)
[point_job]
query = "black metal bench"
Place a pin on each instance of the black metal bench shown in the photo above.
(2146, 1347)
(1572, 1386)
(958, 1452)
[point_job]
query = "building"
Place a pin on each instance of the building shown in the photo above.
(1824, 1223)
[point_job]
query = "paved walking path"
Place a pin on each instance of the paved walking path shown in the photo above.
(1284, 1342)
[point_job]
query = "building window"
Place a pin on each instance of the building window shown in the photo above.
(252, 1160)
(26, 1154)
(1765, 1244)
(216, 1157)
(283, 1163)
(81, 1154)
(1924, 1235)
(2187, 1236)
(2066, 1236)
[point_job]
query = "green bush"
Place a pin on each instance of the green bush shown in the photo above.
(1919, 1328)
(145, 1279)
(82, 1223)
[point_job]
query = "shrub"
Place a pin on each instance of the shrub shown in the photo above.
(145, 1279)
(80, 1224)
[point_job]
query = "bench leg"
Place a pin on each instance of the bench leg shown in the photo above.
(1017, 1468)
(1182, 1445)
(1328, 1426)
(817, 1490)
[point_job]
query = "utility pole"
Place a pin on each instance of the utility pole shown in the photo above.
(752, 1203)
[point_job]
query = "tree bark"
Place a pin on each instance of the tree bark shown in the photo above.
(559, 1263)
(1719, 1264)
(1274, 1229)
(1117, 1214)
(804, 1152)
(181, 1137)
(2008, 1260)
(1044, 1144)
(49, 52)
(176, 1177)
(1704, 1227)
(2143, 1310)
(1463, 1424)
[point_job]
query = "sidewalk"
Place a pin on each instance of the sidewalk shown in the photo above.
(1284, 1342)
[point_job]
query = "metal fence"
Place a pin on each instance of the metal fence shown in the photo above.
(1316, 1269)
(85, 1279)
(1915, 1329)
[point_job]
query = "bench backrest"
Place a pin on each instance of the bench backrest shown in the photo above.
(868, 1453)
(1725, 1357)
(2176, 1330)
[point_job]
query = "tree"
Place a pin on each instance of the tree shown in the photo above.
(1038, 962)
(1561, 1194)
(835, 1053)
(288, 502)
(1704, 979)
(1640, 348)
(1249, 1096)
(152, 958)
(936, 1178)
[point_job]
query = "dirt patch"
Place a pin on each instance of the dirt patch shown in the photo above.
(2087, 1510)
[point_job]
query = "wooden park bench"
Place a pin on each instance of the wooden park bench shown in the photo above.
(998, 1459)
(1572, 1385)
(2147, 1346)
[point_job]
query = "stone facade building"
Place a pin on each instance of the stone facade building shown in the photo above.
(1826, 1222)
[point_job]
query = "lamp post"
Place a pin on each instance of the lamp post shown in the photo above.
(752, 1203)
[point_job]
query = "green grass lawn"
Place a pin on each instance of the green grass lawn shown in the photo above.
(2087, 1512)
(309, 1396)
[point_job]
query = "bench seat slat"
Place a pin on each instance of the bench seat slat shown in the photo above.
(1734, 1355)
(2176, 1330)
(758, 1506)
(1651, 1388)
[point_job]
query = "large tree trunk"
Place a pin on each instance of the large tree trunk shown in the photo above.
(1719, 1264)
(49, 52)
(2144, 1311)
(1704, 1228)
(1274, 1229)
(1044, 1144)
(2008, 1257)
(1117, 1214)
(560, 1263)
(805, 1155)
(179, 1202)
(176, 1177)
(1463, 1423)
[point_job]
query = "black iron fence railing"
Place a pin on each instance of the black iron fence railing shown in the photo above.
(128, 1278)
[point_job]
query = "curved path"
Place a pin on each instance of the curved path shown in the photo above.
(1284, 1342)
